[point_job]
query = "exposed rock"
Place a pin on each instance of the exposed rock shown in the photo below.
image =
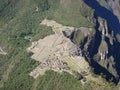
(103, 27)
(68, 33)
(103, 50)
(2, 52)
(36, 9)
(29, 38)
(86, 31)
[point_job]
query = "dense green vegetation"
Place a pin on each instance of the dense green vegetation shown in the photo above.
(18, 78)
(69, 12)
(78, 37)
(59, 82)
(64, 81)
(20, 18)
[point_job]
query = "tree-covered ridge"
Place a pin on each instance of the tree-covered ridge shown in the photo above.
(21, 18)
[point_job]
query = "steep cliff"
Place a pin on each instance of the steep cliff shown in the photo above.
(101, 48)
(94, 37)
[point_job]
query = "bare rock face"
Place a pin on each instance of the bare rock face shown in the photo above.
(68, 33)
(86, 31)
(112, 5)
(2, 52)
(103, 50)
(103, 28)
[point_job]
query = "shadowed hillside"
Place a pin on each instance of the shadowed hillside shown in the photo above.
(20, 27)
(100, 11)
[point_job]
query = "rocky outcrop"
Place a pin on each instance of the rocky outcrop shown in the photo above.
(114, 6)
(2, 52)
(103, 28)
(103, 49)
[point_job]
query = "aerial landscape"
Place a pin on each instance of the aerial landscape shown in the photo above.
(59, 44)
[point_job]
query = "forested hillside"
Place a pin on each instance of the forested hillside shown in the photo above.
(20, 26)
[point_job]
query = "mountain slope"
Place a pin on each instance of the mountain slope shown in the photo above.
(20, 25)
